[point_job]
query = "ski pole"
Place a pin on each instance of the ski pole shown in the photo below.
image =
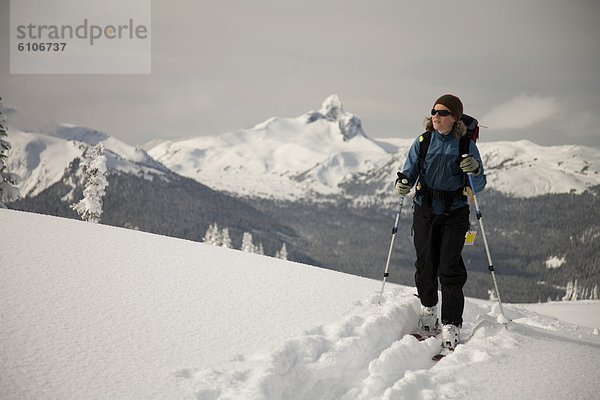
(394, 230)
(502, 319)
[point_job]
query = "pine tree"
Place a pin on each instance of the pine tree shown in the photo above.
(576, 291)
(226, 239)
(569, 293)
(213, 236)
(247, 244)
(259, 249)
(8, 181)
(585, 293)
(90, 207)
(282, 253)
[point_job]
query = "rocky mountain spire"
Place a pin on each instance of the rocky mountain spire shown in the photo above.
(332, 110)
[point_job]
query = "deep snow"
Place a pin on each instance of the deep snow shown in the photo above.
(91, 311)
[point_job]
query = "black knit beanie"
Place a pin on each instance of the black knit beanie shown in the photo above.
(453, 104)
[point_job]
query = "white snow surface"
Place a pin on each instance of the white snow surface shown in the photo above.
(91, 311)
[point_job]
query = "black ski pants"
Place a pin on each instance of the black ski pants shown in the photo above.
(439, 240)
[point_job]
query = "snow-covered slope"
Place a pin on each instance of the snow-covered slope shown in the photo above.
(120, 156)
(41, 159)
(324, 152)
(282, 157)
(525, 169)
(521, 168)
(130, 315)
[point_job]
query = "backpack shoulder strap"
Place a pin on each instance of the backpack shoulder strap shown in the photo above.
(464, 145)
(424, 141)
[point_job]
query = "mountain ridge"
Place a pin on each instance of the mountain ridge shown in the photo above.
(316, 156)
(328, 161)
(331, 211)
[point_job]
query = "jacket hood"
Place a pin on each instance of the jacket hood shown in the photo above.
(458, 130)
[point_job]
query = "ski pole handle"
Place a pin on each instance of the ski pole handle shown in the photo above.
(470, 176)
(402, 184)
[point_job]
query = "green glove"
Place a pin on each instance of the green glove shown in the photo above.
(402, 186)
(469, 165)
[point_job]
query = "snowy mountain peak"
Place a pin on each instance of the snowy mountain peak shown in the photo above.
(332, 110)
(41, 159)
(281, 157)
(80, 134)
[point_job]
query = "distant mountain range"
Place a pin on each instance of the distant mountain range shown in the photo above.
(315, 156)
(312, 155)
(320, 185)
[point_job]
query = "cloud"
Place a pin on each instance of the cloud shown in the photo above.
(581, 123)
(521, 111)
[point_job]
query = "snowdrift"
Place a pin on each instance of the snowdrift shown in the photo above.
(91, 311)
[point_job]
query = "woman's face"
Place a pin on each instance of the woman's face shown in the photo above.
(442, 124)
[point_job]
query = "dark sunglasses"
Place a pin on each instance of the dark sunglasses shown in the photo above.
(442, 113)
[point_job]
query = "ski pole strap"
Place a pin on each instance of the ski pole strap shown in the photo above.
(470, 193)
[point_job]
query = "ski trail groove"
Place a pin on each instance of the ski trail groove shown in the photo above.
(327, 362)
(365, 356)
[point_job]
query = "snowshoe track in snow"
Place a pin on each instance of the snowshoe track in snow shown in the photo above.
(372, 355)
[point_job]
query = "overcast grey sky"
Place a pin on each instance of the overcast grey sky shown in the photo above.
(525, 68)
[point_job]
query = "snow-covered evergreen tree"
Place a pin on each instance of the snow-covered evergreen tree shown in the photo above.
(249, 246)
(217, 237)
(575, 295)
(213, 236)
(575, 291)
(94, 166)
(569, 292)
(282, 253)
(247, 243)
(8, 181)
(226, 239)
(585, 293)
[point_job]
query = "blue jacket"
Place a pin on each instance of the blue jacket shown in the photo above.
(442, 171)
